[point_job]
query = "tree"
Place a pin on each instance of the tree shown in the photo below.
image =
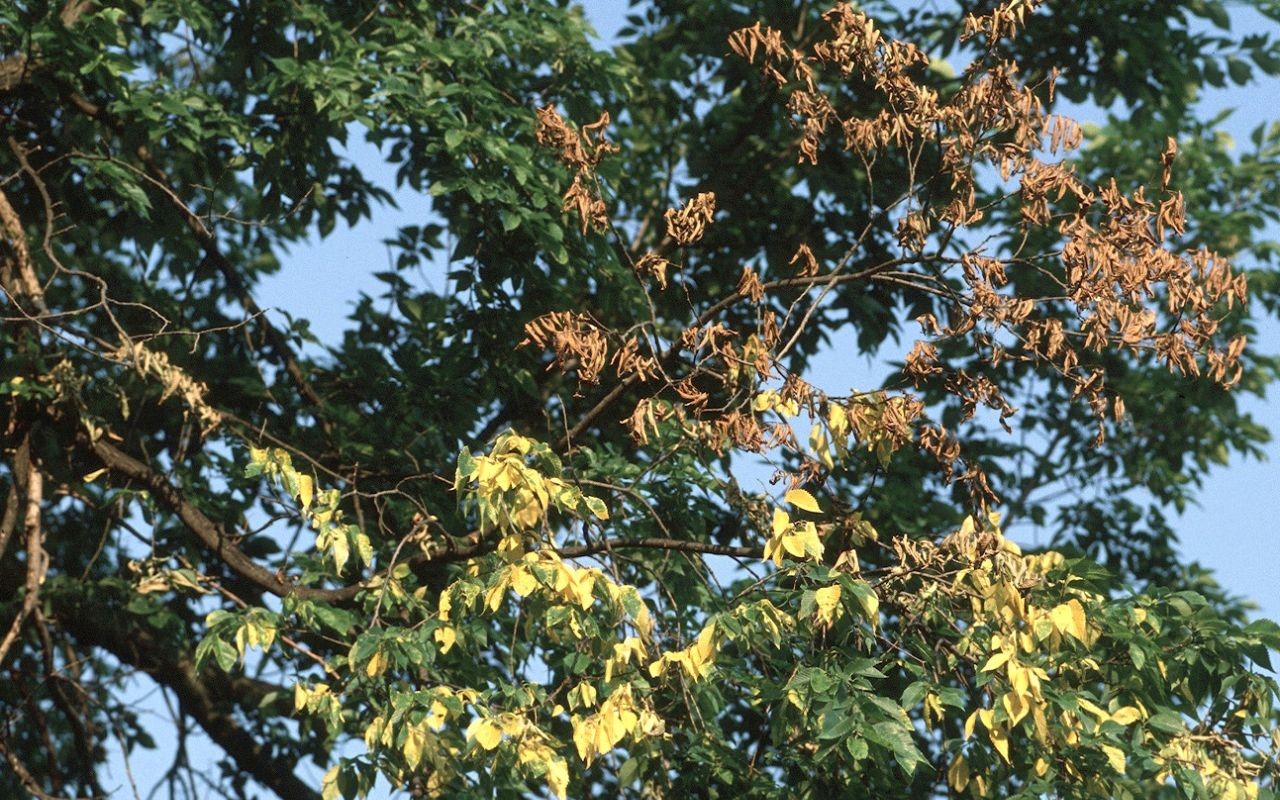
(499, 535)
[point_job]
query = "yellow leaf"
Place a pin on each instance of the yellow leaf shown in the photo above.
(329, 785)
(374, 732)
(582, 696)
(414, 740)
(484, 732)
(511, 724)
(827, 600)
(1115, 757)
(1127, 715)
(958, 774)
(803, 500)
(93, 476)
(597, 507)
(933, 711)
(1041, 724)
(437, 715)
(1020, 677)
(611, 730)
(803, 541)
(818, 444)
(1094, 709)
(584, 736)
(523, 582)
(781, 521)
(578, 585)
(995, 662)
(1078, 620)
(1061, 617)
(496, 594)
(793, 543)
(838, 420)
(558, 777)
(773, 551)
(987, 717)
(446, 636)
(1016, 705)
(700, 656)
(306, 490)
(1069, 618)
(376, 665)
(341, 550)
(1000, 740)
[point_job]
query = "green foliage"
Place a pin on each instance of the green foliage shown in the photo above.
(505, 536)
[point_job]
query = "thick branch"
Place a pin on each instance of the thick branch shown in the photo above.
(9, 522)
(207, 696)
(37, 559)
(210, 533)
(17, 273)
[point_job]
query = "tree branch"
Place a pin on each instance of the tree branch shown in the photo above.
(654, 543)
(634, 378)
(17, 69)
(207, 695)
(17, 273)
(275, 340)
(24, 775)
(210, 533)
(452, 554)
(37, 559)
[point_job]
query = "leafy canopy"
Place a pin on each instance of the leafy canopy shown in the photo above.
(509, 536)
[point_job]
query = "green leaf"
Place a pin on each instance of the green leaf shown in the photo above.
(1166, 722)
